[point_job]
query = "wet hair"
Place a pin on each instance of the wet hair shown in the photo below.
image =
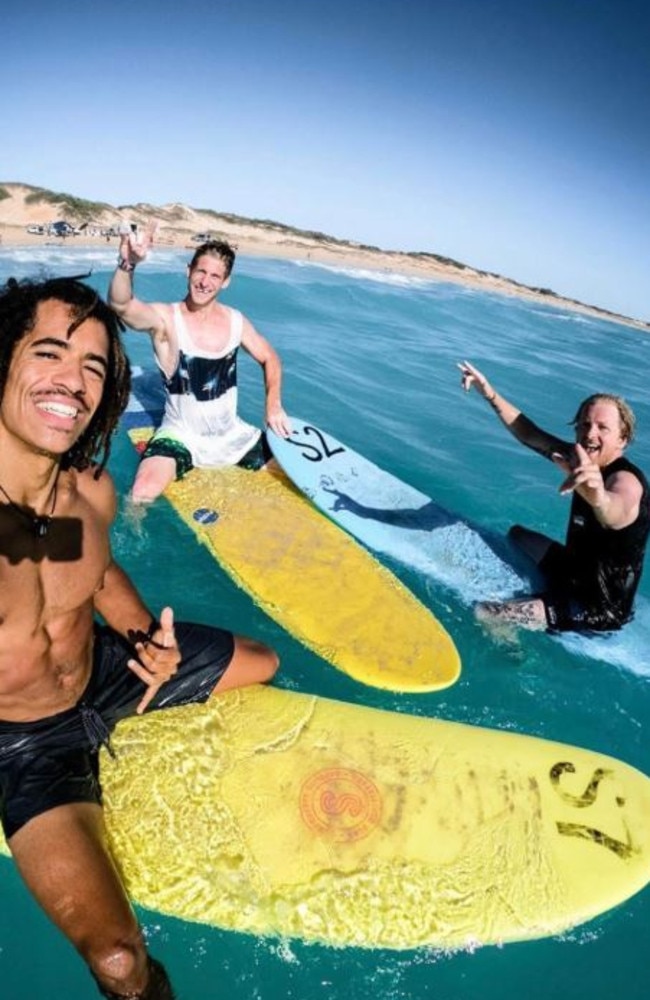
(19, 302)
(625, 413)
(216, 248)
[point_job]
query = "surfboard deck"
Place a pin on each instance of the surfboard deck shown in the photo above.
(390, 516)
(307, 574)
(277, 813)
(393, 518)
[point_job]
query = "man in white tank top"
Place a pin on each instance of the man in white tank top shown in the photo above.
(196, 343)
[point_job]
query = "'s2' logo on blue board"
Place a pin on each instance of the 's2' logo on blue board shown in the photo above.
(205, 515)
(314, 452)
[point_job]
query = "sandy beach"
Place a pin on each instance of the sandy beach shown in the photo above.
(23, 206)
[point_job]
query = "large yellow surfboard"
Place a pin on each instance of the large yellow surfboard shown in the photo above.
(312, 578)
(272, 812)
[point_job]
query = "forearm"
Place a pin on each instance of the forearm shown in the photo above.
(472, 377)
(140, 316)
(507, 413)
(119, 603)
(132, 251)
(523, 429)
(273, 382)
(120, 292)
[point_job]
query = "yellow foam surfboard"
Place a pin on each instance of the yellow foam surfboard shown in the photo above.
(272, 812)
(312, 578)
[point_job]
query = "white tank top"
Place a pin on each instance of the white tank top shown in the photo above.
(201, 398)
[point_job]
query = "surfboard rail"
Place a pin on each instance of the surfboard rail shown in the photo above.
(307, 574)
(299, 816)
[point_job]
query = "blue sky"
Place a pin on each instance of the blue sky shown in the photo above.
(511, 135)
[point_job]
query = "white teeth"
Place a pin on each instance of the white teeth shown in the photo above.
(60, 409)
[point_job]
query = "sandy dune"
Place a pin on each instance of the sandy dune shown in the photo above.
(22, 205)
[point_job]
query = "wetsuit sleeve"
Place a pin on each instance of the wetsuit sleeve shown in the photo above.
(533, 437)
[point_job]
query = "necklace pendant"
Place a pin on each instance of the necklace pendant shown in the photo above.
(41, 526)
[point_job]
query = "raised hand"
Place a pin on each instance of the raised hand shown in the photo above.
(471, 376)
(583, 476)
(134, 247)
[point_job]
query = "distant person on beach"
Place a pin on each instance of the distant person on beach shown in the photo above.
(195, 343)
(66, 680)
(591, 580)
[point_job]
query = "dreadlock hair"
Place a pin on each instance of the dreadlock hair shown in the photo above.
(19, 302)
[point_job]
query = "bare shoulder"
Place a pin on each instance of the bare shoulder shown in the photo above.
(95, 489)
(246, 325)
(252, 340)
(626, 483)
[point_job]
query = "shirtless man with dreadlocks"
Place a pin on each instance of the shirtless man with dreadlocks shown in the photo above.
(66, 680)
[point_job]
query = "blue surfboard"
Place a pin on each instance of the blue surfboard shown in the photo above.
(391, 517)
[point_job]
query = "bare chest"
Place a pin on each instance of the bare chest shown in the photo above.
(210, 334)
(47, 576)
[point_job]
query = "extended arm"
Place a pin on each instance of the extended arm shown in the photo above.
(260, 349)
(132, 250)
(151, 317)
(523, 429)
(136, 314)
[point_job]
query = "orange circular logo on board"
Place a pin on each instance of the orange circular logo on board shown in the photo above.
(341, 804)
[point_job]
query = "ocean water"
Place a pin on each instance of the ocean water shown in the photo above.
(371, 357)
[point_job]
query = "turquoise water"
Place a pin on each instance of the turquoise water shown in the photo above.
(371, 358)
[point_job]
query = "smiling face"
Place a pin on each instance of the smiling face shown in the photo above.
(206, 278)
(600, 432)
(55, 382)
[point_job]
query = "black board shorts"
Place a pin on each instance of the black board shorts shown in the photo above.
(55, 761)
(567, 610)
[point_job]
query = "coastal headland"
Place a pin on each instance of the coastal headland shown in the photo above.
(24, 207)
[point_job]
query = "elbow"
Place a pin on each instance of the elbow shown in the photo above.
(120, 308)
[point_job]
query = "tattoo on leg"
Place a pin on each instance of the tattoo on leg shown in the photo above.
(526, 613)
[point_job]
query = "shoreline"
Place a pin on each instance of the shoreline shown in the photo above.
(177, 224)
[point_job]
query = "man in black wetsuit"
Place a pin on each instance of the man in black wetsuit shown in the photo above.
(593, 577)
